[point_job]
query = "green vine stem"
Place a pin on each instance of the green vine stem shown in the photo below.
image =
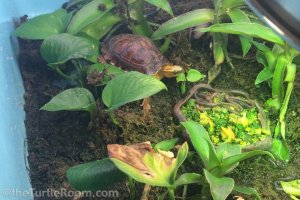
(171, 194)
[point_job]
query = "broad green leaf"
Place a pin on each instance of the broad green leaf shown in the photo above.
(281, 150)
(58, 49)
(247, 190)
(180, 158)
(228, 163)
(71, 100)
(189, 178)
(162, 4)
(166, 145)
(194, 75)
(220, 188)
(93, 176)
(103, 25)
(108, 71)
(237, 15)
(291, 187)
(43, 26)
(89, 14)
(184, 21)
(229, 4)
(264, 75)
(202, 144)
(247, 29)
(129, 87)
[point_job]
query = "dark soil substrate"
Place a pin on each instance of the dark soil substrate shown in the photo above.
(59, 140)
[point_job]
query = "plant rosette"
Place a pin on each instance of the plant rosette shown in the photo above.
(228, 115)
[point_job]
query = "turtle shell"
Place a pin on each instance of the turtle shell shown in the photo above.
(134, 53)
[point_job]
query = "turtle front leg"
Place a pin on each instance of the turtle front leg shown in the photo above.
(146, 105)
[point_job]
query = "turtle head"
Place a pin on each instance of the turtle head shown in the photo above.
(171, 71)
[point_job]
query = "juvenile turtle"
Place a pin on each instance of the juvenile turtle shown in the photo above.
(138, 53)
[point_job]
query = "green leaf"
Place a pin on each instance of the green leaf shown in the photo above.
(58, 49)
(202, 144)
(237, 15)
(189, 178)
(264, 75)
(228, 163)
(102, 26)
(93, 176)
(225, 150)
(181, 78)
(166, 145)
(247, 190)
(180, 158)
(129, 87)
(247, 29)
(220, 188)
(184, 21)
(229, 4)
(89, 14)
(218, 49)
(109, 71)
(194, 75)
(162, 4)
(291, 187)
(71, 100)
(281, 150)
(43, 26)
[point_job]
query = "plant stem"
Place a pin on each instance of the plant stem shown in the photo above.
(146, 191)
(171, 194)
(185, 187)
(68, 77)
(132, 193)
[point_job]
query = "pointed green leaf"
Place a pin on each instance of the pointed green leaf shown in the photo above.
(247, 29)
(89, 14)
(166, 145)
(180, 158)
(184, 21)
(220, 188)
(162, 4)
(202, 144)
(225, 150)
(129, 87)
(93, 176)
(58, 49)
(237, 15)
(228, 163)
(189, 178)
(264, 75)
(247, 190)
(71, 100)
(43, 26)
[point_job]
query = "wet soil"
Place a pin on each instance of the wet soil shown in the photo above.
(59, 140)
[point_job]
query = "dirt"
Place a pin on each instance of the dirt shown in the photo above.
(60, 140)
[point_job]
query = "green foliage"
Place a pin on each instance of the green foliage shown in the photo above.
(58, 49)
(217, 162)
(43, 26)
(162, 4)
(184, 21)
(247, 29)
(89, 14)
(130, 87)
(192, 76)
(220, 188)
(166, 145)
(72, 100)
(247, 190)
(292, 188)
(93, 176)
